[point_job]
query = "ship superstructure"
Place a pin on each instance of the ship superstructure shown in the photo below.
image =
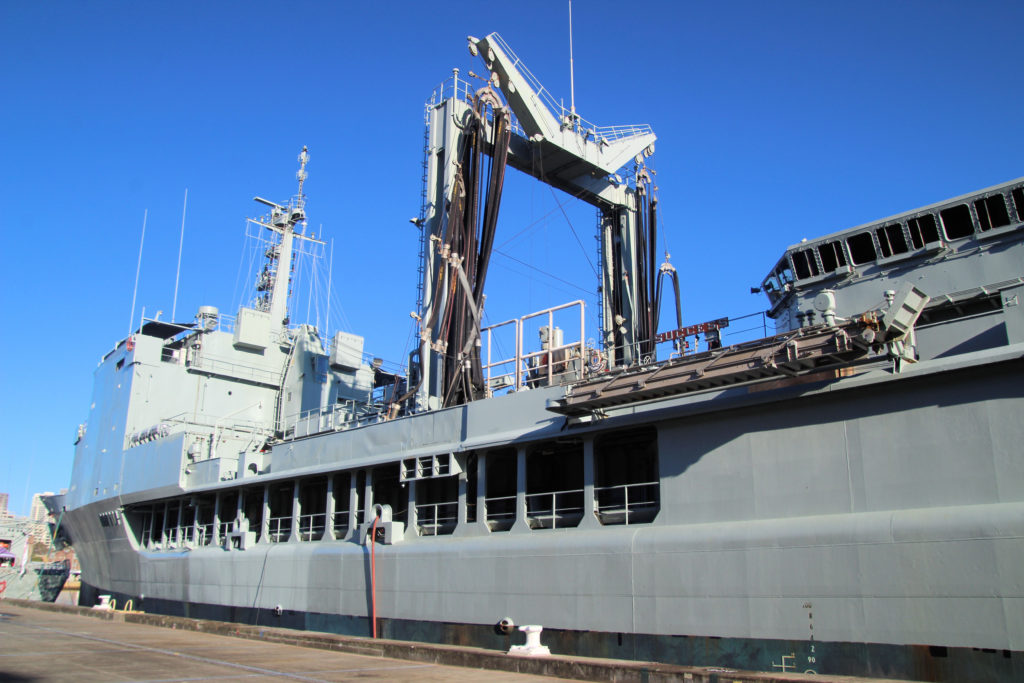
(830, 498)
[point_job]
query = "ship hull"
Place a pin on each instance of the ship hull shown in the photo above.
(867, 525)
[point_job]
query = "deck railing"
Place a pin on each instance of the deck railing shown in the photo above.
(279, 529)
(340, 523)
(500, 512)
(433, 519)
(627, 503)
(522, 368)
(554, 509)
(311, 527)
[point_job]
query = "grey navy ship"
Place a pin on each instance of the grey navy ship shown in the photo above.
(845, 496)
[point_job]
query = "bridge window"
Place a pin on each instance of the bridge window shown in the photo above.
(832, 256)
(1018, 202)
(923, 230)
(805, 264)
(784, 274)
(862, 248)
(956, 221)
(992, 212)
(891, 240)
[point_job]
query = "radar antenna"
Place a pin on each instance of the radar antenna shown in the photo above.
(301, 174)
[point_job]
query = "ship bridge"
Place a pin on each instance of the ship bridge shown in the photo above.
(856, 269)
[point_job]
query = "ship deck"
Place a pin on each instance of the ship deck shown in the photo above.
(47, 642)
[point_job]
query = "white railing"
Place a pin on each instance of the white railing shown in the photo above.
(557, 108)
(311, 527)
(500, 508)
(204, 534)
(336, 418)
(513, 373)
(437, 518)
(627, 503)
(547, 510)
(464, 90)
(340, 523)
(279, 529)
(223, 366)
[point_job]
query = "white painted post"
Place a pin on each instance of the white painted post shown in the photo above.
(296, 514)
(329, 511)
(520, 524)
(265, 521)
(590, 519)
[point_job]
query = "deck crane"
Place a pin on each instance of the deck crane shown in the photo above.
(462, 198)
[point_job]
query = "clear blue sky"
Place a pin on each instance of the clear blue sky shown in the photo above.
(776, 121)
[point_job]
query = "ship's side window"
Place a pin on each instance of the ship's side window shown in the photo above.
(554, 485)
(437, 505)
(891, 240)
(626, 476)
(279, 523)
(784, 273)
(923, 230)
(832, 256)
(139, 521)
(992, 212)
(956, 221)
(252, 510)
(500, 484)
(313, 505)
(388, 490)
(805, 264)
(862, 248)
(1018, 202)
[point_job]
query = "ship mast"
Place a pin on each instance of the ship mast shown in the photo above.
(277, 275)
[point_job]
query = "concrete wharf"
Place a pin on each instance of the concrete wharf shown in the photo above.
(53, 643)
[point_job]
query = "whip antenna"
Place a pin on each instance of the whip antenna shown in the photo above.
(572, 83)
(181, 242)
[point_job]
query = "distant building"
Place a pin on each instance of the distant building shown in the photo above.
(3, 506)
(38, 513)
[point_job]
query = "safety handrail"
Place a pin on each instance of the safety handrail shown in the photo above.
(490, 514)
(546, 506)
(516, 379)
(311, 526)
(557, 108)
(279, 528)
(431, 521)
(340, 521)
(626, 499)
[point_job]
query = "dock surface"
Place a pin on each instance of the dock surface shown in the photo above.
(50, 642)
(37, 645)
